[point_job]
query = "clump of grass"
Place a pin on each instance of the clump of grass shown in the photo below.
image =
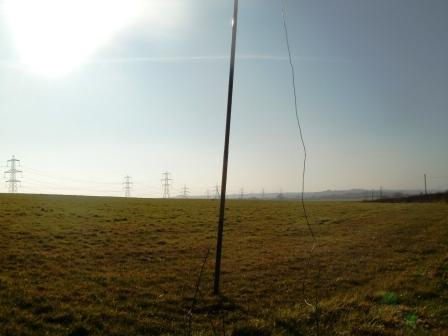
(411, 320)
(389, 298)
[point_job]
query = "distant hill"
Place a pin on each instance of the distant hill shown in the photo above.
(336, 195)
(436, 197)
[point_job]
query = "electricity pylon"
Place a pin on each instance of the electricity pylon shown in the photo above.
(127, 186)
(426, 189)
(12, 181)
(242, 193)
(166, 184)
(216, 191)
(185, 192)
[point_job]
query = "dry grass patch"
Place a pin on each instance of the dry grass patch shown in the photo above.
(96, 266)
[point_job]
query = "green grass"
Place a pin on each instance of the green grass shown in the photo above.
(389, 298)
(411, 320)
(113, 266)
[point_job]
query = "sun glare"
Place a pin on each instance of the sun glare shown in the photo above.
(55, 36)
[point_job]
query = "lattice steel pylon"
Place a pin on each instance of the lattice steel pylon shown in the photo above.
(166, 184)
(185, 191)
(216, 188)
(12, 181)
(127, 185)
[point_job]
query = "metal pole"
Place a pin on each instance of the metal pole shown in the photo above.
(226, 153)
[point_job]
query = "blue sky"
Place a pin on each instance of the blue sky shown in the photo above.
(372, 80)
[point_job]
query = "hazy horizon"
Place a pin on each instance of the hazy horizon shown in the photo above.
(143, 90)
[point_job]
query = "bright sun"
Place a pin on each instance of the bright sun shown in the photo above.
(55, 36)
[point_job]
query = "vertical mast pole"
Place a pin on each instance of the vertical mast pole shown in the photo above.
(226, 153)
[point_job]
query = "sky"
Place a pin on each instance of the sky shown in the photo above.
(92, 91)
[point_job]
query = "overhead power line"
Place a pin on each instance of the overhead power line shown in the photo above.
(66, 179)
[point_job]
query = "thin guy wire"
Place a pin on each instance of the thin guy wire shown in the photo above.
(296, 109)
(298, 122)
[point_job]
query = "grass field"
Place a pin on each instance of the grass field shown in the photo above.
(109, 266)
